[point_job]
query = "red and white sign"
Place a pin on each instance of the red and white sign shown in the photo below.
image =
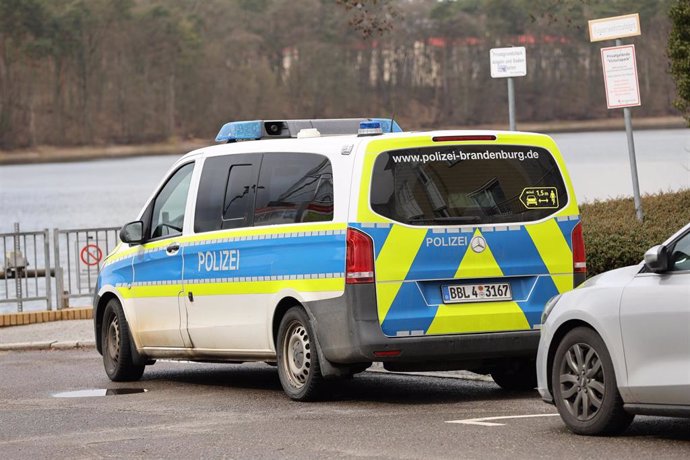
(620, 76)
(91, 255)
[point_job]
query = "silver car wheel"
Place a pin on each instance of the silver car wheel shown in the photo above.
(582, 382)
(297, 354)
(113, 339)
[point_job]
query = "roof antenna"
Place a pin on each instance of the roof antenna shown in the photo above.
(393, 96)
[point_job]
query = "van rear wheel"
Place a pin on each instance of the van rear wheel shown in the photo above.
(518, 375)
(298, 359)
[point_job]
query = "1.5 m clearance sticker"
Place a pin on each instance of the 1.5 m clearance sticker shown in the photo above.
(539, 197)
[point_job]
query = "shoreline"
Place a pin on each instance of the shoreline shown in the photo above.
(51, 154)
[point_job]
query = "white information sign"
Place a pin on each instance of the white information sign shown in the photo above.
(615, 27)
(620, 76)
(508, 62)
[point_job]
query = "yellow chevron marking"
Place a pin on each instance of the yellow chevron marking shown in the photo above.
(385, 294)
(478, 317)
(398, 253)
(394, 262)
(478, 264)
(554, 252)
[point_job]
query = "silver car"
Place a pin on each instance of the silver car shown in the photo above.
(619, 345)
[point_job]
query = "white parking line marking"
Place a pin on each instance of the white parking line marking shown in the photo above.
(483, 421)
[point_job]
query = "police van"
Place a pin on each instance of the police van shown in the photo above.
(325, 245)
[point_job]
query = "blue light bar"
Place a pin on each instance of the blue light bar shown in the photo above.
(386, 125)
(239, 131)
(273, 129)
(369, 128)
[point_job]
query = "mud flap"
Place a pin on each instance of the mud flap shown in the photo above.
(328, 369)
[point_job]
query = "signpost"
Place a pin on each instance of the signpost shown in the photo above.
(620, 79)
(509, 63)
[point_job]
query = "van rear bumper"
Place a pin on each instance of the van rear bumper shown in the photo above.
(348, 332)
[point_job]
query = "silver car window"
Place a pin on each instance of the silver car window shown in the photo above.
(680, 257)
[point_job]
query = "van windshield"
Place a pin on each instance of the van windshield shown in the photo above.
(467, 184)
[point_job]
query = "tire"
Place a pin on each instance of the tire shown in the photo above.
(519, 375)
(584, 385)
(116, 345)
(297, 357)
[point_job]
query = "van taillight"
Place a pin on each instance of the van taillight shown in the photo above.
(579, 258)
(359, 265)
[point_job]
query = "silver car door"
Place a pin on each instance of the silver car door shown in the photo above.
(655, 324)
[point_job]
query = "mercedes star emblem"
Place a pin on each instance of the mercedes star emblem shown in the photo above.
(478, 244)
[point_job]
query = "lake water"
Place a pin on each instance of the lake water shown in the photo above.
(111, 192)
(600, 168)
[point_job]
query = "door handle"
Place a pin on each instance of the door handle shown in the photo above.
(173, 248)
(190, 296)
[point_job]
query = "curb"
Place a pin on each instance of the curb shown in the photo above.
(33, 317)
(49, 345)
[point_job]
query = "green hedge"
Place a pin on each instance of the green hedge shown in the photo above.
(613, 236)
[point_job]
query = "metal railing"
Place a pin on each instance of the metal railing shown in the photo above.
(78, 253)
(27, 277)
(25, 273)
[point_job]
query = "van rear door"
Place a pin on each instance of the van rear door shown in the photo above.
(468, 237)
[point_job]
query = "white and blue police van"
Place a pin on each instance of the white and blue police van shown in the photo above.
(325, 245)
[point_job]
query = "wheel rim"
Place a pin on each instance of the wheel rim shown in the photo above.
(582, 383)
(114, 339)
(297, 354)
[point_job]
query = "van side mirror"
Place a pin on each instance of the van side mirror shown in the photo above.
(656, 259)
(132, 232)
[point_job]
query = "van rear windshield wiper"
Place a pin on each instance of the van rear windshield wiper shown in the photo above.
(446, 220)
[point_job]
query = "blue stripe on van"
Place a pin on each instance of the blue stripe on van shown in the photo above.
(314, 254)
(408, 312)
(439, 256)
(515, 252)
(533, 307)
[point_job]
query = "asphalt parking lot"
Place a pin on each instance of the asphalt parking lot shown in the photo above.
(240, 411)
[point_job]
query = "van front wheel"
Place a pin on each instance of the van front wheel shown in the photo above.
(117, 353)
(298, 359)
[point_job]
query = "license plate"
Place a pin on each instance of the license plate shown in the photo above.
(460, 293)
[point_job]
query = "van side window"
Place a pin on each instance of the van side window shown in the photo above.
(294, 187)
(239, 196)
(226, 192)
(169, 205)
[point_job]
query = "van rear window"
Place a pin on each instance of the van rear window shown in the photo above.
(467, 184)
